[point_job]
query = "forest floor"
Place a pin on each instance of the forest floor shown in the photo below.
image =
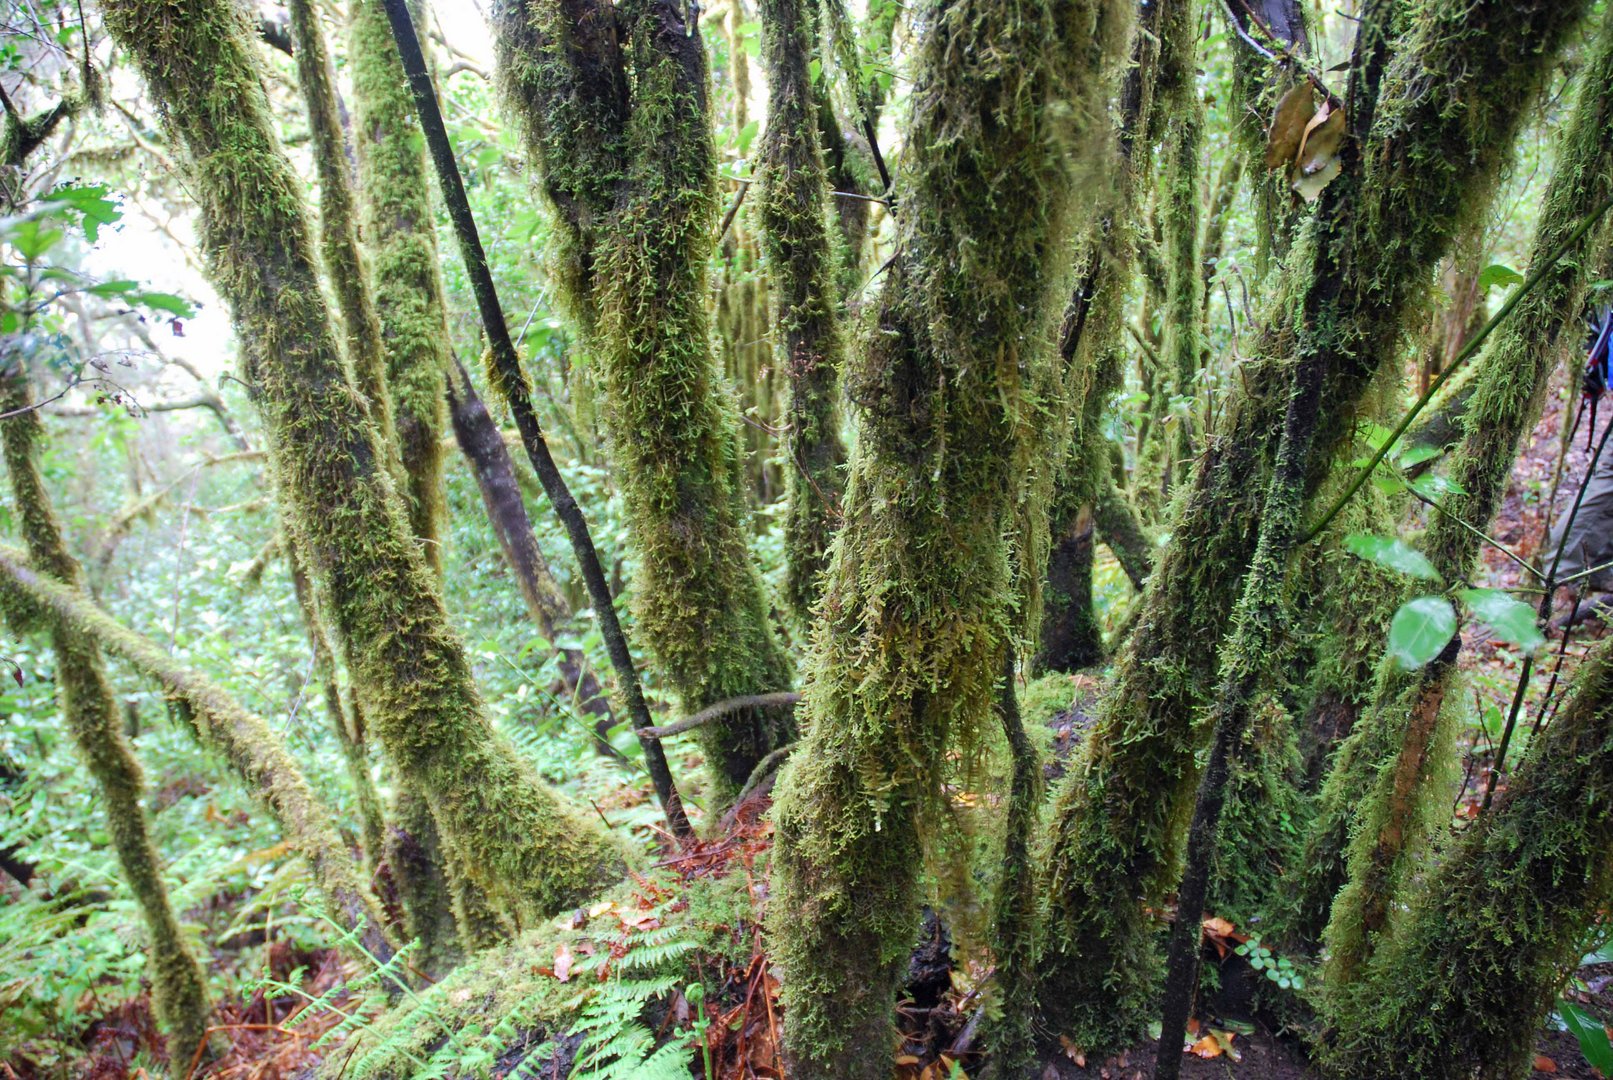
(274, 1039)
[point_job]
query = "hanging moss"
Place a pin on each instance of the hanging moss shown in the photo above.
(1463, 984)
(625, 147)
(179, 989)
(250, 747)
(1420, 161)
(345, 267)
(917, 602)
(1182, 313)
(400, 236)
(794, 217)
(531, 853)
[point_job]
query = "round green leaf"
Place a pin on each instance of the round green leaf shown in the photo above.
(1420, 630)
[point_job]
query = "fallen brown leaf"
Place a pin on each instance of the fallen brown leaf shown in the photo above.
(562, 963)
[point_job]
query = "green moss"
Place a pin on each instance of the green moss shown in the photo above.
(414, 853)
(400, 235)
(1510, 385)
(510, 990)
(791, 198)
(531, 852)
(1469, 972)
(179, 988)
(1356, 270)
(917, 604)
(625, 147)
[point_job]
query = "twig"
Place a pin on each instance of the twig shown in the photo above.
(776, 700)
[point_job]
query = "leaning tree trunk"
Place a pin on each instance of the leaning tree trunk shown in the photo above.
(917, 607)
(1408, 724)
(1379, 231)
(1463, 983)
(630, 170)
(179, 989)
(527, 849)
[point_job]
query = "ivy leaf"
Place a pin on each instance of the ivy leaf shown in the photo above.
(1392, 553)
(1497, 274)
(1512, 620)
(157, 301)
(92, 204)
(1420, 630)
(31, 240)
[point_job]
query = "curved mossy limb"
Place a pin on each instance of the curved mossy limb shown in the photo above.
(793, 213)
(178, 986)
(1070, 638)
(918, 602)
(400, 237)
(345, 267)
(531, 852)
(250, 747)
(1468, 973)
(615, 108)
(1427, 162)
(1510, 385)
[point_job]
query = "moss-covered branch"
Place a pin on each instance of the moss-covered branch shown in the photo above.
(615, 108)
(1510, 385)
(400, 236)
(252, 749)
(794, 215)
(1467, 977)
(345, 267)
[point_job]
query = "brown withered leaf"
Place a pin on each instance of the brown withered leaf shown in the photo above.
(1287, 131)
(1323, 136)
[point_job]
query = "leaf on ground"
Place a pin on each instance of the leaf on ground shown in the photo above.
(1544, 1064)
(1207, 1047)
(562, 963)
(1073, 1052)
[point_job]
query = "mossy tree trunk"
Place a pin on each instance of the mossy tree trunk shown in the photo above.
(1467, 975)
(345, 267)
(918, 601)
(614, 102)
(1406, 745)
(529, 851)
(179, 988)
(794, 215)
(400, 235)
(1378, 232)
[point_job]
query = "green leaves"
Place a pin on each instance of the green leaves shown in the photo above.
(1497, 274)
(91, 204)
(1392, 553)
(1420, 629)
(1512, 620)
(1591, 1035)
